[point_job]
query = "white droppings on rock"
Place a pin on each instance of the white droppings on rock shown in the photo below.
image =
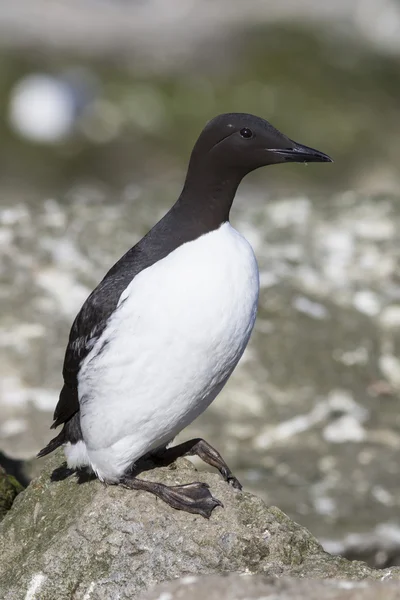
(367, 302)
(344, 429)
(34, 586)
(307, 306)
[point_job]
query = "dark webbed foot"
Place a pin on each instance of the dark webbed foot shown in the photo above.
(203, 450)
(192, 497)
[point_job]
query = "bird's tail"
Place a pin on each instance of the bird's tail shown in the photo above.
(59, 440)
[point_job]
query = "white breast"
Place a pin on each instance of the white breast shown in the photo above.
(178, 333)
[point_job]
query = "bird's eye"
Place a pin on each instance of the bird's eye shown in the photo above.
(246, 133)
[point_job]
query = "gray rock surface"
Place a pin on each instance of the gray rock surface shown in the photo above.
(69, 540)
(259, 587)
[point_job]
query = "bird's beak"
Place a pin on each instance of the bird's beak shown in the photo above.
(300, 154)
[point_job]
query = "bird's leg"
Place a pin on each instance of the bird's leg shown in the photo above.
(203, 450)
(193, 497)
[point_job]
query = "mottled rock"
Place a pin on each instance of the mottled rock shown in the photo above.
(9, 490)
(259, 587)
(68, 538)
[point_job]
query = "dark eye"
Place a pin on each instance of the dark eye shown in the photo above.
(246, 133)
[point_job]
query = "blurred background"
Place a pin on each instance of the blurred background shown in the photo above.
(100, 103)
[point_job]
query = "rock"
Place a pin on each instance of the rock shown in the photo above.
(259, 587)
(75, 538)
(9, 490)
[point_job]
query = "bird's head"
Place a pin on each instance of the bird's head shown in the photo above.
(243, 143)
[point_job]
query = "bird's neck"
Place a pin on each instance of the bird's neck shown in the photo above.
(207, 197)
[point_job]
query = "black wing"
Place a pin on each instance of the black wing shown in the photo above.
(92, 319)
(89, 324)
(87, 327)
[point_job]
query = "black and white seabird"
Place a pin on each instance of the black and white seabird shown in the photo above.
(158, 338)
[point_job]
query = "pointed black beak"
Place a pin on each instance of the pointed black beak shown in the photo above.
(300, 154)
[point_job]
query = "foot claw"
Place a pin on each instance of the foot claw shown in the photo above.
(231, 479)
(235, 483)
(192, 497)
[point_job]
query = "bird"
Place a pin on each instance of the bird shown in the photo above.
(159, 337)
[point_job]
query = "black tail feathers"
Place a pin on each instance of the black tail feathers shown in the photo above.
(53, 444)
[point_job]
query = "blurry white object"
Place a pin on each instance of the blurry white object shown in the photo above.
(43, 108)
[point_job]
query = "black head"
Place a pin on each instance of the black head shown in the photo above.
(242, 142)
(229, 147)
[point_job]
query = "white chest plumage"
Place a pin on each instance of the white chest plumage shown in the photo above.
(177, 334)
